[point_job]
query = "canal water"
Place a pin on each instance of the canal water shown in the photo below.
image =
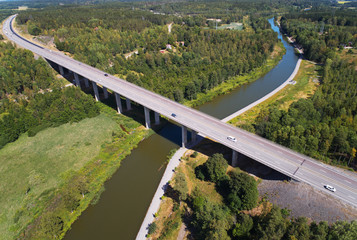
(123, 205)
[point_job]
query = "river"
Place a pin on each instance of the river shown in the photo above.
(123, 205)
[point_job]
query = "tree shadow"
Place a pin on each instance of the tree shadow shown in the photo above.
(209, 147)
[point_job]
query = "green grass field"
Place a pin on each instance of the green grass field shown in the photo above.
(32, 168)
(233, 25)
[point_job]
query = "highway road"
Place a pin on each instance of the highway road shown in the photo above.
(284, 160)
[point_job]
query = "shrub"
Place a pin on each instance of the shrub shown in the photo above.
(152, 228)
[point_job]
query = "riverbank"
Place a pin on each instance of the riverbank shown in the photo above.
(288, 81)
(155, 203)
(307, 80)
(61, 200)
(237, 81)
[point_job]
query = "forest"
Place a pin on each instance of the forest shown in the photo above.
(323, 126)
(320, 33)
(208, 219)
(31, 100)
(178, 65)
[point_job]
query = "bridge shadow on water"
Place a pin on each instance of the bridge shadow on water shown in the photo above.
(166, 129)
(172, 132)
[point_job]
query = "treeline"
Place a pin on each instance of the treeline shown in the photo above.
(321, 33)
(192, 59)
(223, 221)
(230, 9)
(30, 100)
(323, 126)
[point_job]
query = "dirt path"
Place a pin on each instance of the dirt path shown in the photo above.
(182, 232)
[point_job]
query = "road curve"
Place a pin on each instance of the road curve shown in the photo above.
(282, 159)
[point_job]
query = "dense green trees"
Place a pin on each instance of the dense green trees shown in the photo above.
(319, 32)
(31, 100)
(214, 169)
(211, 220)
(199, 59)
(323, 125)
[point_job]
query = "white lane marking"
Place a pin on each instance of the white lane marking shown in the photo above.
(347, 181)
(351, 197)
(322, 170)
(261, 144)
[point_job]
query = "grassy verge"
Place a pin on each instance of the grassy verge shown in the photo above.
(237, 81)
(306, 83)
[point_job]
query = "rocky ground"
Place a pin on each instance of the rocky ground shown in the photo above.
(299, 197)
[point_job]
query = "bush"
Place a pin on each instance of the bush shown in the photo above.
(181, 186)
(34, 130)
(213, 170)
(194, 154)
(245, 187)
(152, 228)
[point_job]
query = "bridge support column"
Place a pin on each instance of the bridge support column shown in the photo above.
(119, 106)
(147, 117)
(193, 136)
(157, 118)
(95, 89)
(234, 158)
(184, 136)
(105, 91)
(61, 70)
(128, 104)
(76, 79)
(86, 82)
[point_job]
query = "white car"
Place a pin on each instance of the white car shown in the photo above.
(233, 139)
(328, 187)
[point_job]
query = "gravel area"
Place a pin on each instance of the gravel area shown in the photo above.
(299, 197)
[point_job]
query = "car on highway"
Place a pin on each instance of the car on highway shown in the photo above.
(328, 187)
(233, 139)
(106, 74)
(173, 114)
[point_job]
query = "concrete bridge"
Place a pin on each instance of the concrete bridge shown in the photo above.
(284, 160)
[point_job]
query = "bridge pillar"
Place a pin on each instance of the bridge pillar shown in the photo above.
(234, 158)
(157, 118)
(105, 91)
(61, 70)
(128, 104)
(118, 100)
(147, 117)
(184, 136)
(86, 82)
(95, 89)
(193, 136)
(76, 79)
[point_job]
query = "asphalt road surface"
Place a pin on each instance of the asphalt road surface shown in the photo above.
(282, 159)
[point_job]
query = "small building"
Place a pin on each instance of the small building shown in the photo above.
(168, 46)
